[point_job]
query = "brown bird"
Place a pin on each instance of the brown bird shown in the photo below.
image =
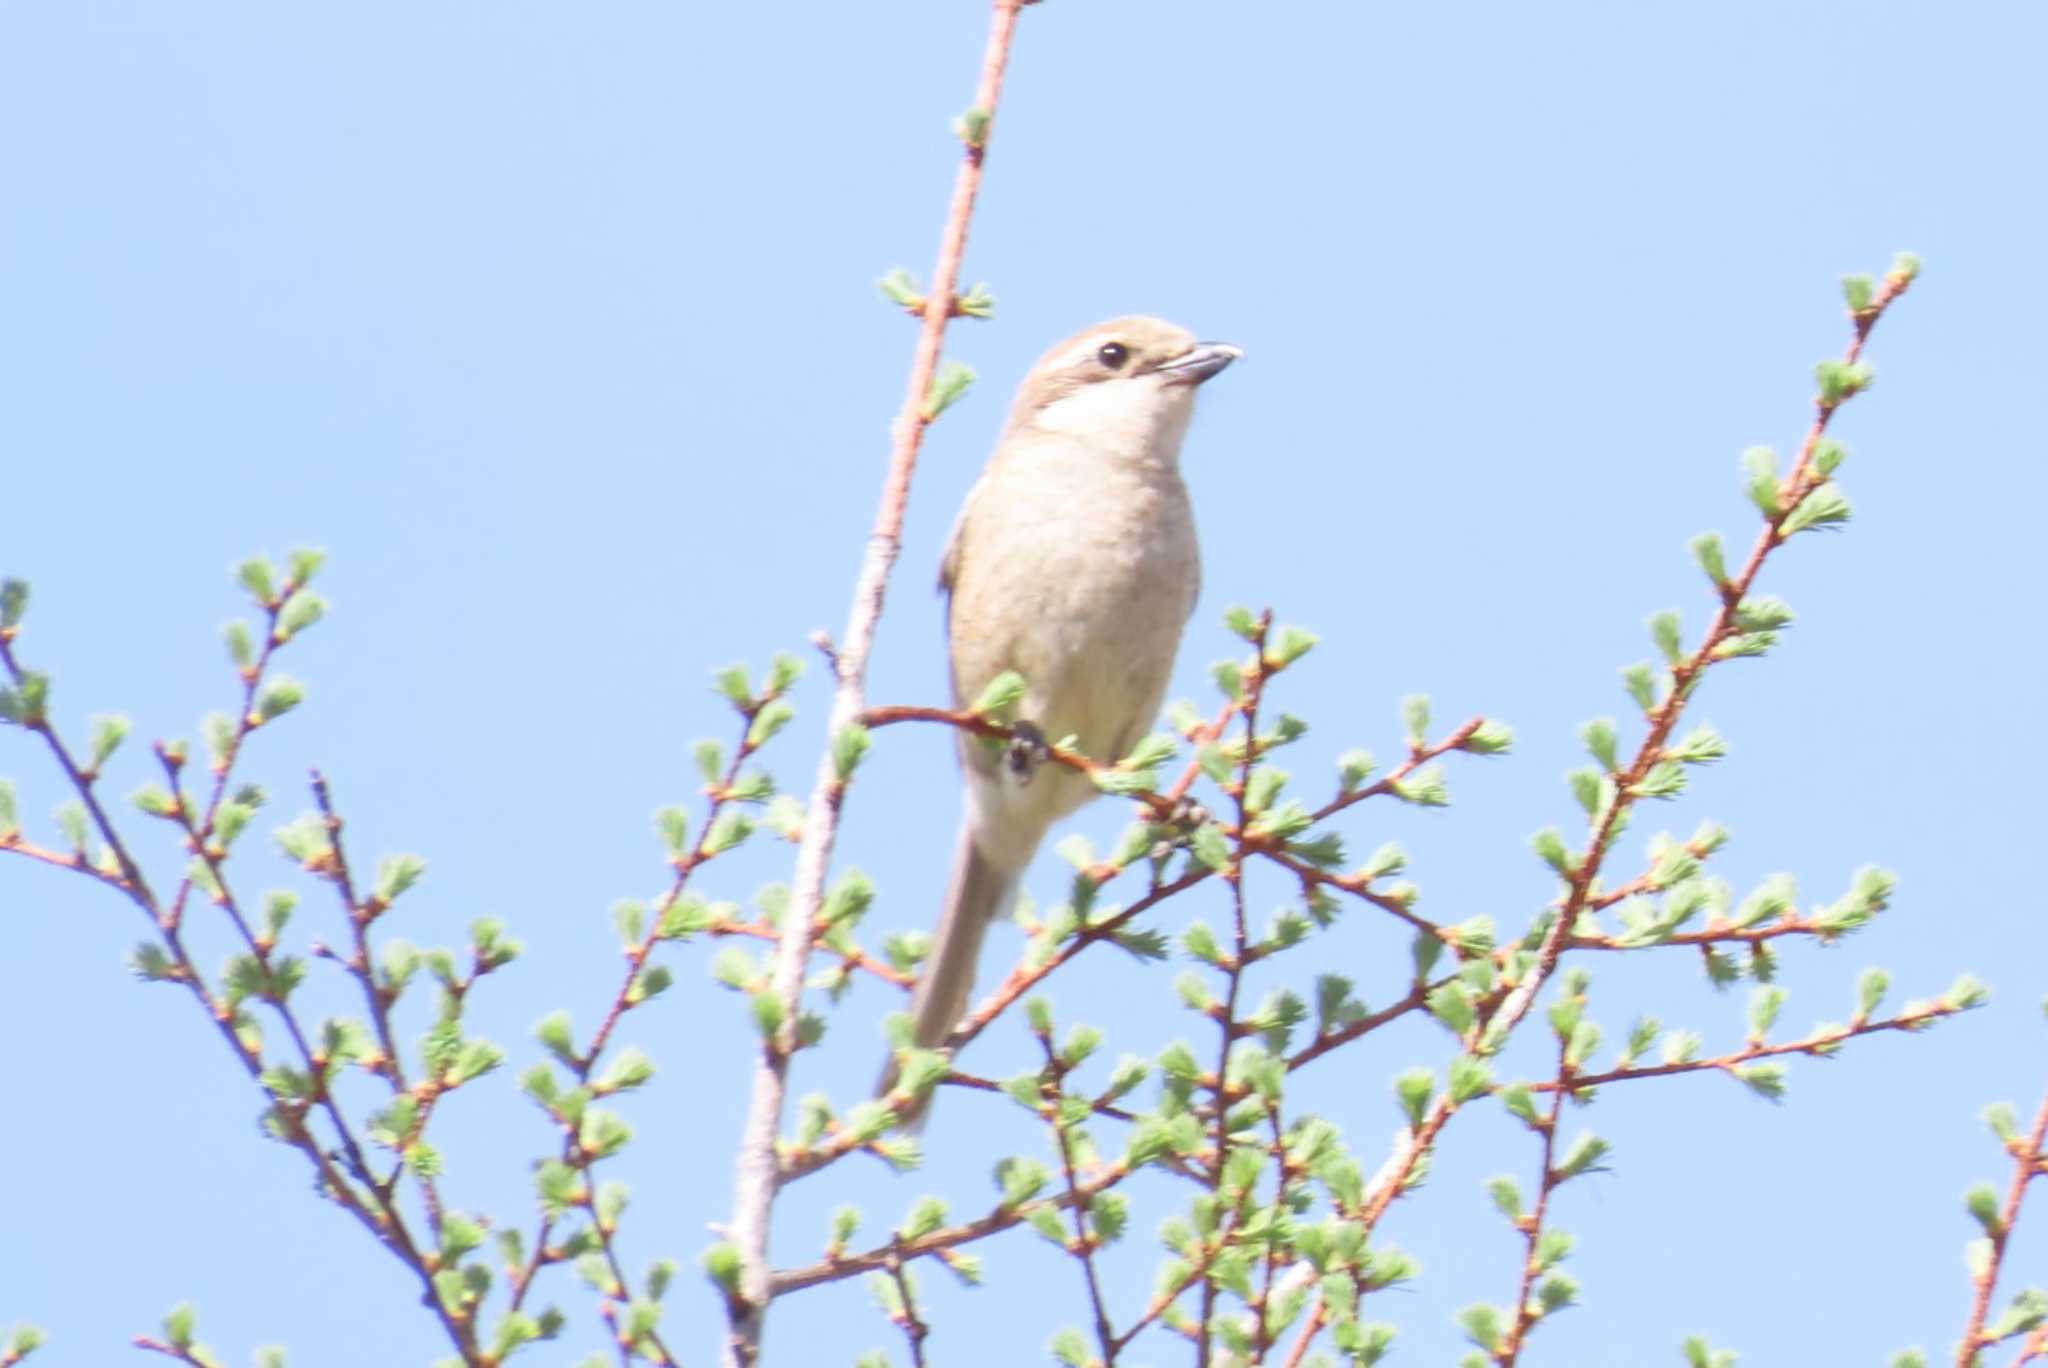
(1073, 563)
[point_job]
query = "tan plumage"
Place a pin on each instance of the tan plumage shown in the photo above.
(1073, 563)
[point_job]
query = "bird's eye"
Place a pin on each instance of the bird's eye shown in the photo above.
(1113, 355)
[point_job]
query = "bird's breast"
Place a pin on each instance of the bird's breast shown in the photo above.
(1078, 573)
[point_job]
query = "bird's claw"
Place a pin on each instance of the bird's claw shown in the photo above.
(1026, 752)
(1179, 823)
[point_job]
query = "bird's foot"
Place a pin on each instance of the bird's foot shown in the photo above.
(1026, 752)
(1179, 823)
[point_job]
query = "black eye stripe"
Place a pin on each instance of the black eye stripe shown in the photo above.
(1113, 355)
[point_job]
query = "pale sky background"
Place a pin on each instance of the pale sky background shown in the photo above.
(555, 324)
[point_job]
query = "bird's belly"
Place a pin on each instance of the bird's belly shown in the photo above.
(1093, 628)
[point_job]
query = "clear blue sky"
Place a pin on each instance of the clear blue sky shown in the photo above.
(555, 325)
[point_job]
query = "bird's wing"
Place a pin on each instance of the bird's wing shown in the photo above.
(949, 559)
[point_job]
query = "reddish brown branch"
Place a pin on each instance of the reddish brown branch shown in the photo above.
(637, 956)
(855, 958)
(1025, 976)
(913, 1326)
(2027, 1165)
(1310, 1328)
(1802, 481)
(1517, 1336)
(1388, 782)
(1820, 1044)
(1002, 1218)
(76, 861)
(1251, 692)
(1082, 1246)
(364, 1199)
(1417, 999)
(246, 721)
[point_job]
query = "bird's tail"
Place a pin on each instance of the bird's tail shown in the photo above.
(978, 893)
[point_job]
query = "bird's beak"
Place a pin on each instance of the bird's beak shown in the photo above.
(1199, 362)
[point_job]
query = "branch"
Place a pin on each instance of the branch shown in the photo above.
(1684, 675)
(1820, 1044)
(356, 1191)
(76, 861)
(913, 1325)
(246, 721)
(1253, 690)
(2028, 1164)
(787, 1280)
(1510, 1351)
(1082, 1247)
(755, 1180)
(1026, 976)
(852, 958)
(624, 999)
(133, 884)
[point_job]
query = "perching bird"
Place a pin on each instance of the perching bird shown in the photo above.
(1074, 564)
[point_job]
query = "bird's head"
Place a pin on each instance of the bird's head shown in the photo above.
(1130, 379)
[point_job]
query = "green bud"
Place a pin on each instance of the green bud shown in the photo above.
(1583, 1155)
(1414, 1089)
(978, 302)
(971, 127)
(1490, 738)
(1824, 507)
(259, 577)
(300, 611)
(901, 289)
(1981, 1202)
(1640, 682)
(722, 1265)
(1760, 467)
(947, 386)
(1766, 1079)
(1415, 718)
(303, 563)
(1707, 550)
(1288, 645)
(13, 603)
(280, 694)
(1842, 380)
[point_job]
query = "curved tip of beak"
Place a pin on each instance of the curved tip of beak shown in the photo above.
(1201, 361)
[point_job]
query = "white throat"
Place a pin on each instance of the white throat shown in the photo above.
(1142, 422)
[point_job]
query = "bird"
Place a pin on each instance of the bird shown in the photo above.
(1073, 563)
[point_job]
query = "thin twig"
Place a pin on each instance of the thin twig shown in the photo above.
(853, 957)
(913, 1325)
(786, 1280)
(1820, 1043)
(1252, 691)
(1310, 1328)
(76, 861)
(1399, 1166)
(756, 1174)
(1510, 1350)
(377, 1212)
(2027, 1166)
(1083, 1244)
(246, 721)
(637, 956)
